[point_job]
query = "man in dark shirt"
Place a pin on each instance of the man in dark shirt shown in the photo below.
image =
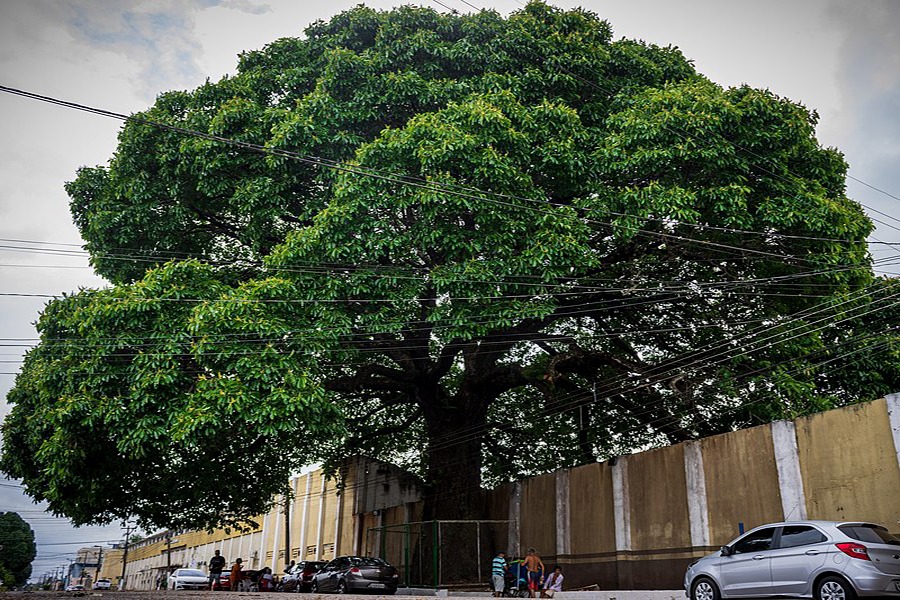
(216, 564)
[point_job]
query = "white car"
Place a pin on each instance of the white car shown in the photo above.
(188, 579)
(102, 584)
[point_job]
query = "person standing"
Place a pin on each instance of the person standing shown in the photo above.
(535, 569)
(236, 575)
(216, 564)
(498, 573)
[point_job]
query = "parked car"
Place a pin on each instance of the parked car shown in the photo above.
(347, 574)
(300, 577)
(826, 560)
(75, 587)
(102, 584)
(188, 579)
(224, 582)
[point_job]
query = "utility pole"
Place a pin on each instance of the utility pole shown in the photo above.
(128, 530)
(168, 555)
(287, 529)
(99, 563)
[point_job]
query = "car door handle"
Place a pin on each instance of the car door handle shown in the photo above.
(758, 557)
(813, 552)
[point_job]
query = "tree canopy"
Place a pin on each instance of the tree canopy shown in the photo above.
(18, 550)
(476, 246)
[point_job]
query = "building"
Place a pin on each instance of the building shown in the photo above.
(97, 562)
(325, 518)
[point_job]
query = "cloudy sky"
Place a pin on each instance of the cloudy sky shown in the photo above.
(841, 58)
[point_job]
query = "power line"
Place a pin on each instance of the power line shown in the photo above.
(464, 192)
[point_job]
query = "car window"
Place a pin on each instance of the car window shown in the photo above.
(800, 535)
(189, 573)
(365, 561)
(755, 541)
(874, 534)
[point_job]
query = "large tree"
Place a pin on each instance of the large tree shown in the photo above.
(18, 549)
(476, 246)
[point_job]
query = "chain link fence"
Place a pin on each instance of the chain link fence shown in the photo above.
(436, 554)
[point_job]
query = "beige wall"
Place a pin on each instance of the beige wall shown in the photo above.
(658, 499)
(849, 465)
(846, 459)
(537, 526)
(591, 508)
(741, 482)
(675, 502)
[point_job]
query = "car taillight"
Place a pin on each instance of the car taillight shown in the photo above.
(354, 570)
(854, 550)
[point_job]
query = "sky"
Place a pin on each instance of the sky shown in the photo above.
(839, 57)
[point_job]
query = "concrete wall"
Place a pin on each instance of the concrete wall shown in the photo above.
(638, 521)
(632, 523)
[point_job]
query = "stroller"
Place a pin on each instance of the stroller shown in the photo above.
(516, 580)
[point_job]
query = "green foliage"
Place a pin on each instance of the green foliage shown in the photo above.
(512, 229)
(19, 550)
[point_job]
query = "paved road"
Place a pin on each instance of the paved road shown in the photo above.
(164, 595)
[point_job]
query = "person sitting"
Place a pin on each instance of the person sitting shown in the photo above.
(553, 583)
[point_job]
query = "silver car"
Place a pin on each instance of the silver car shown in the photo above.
(826, 560)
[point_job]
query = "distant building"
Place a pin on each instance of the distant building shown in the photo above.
(327, 518)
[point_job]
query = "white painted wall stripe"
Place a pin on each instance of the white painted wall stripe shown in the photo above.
(893, 407)
(277, 518)
(787, 461)
(563, 533)
(698, 511)
(621, 505)
(304, 519)
(320, 530)
(338, 519)
(515, 513)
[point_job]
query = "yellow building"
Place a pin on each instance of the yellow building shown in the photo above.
(325, 518)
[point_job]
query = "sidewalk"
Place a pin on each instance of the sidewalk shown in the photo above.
(588, 595)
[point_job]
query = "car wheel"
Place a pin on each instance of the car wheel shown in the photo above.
(314, 587)
(704, 588)
(342, 587)
(834, 588)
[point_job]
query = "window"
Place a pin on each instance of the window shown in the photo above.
(874, 534)
(755, 542)
(800, 535)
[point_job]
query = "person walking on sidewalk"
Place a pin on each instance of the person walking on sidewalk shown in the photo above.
(216, 564)
(498, 573)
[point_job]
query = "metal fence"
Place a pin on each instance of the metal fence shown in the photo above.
(439, 553)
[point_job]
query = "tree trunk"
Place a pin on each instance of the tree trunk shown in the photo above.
(453, 479)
